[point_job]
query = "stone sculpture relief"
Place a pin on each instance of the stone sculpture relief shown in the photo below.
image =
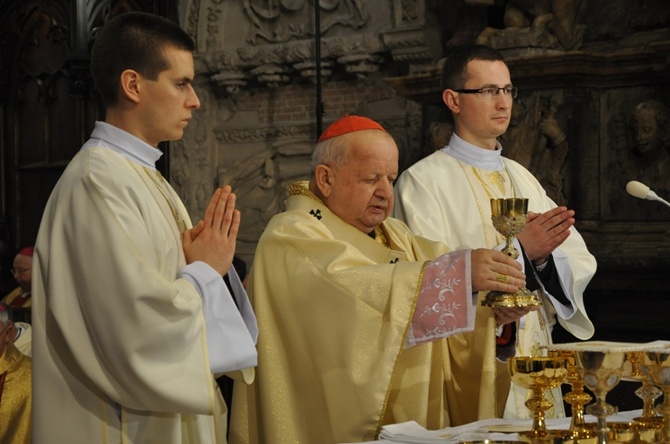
(640, 145)
(269, 24)
(538, 25)
(260, 180)
(651, 151)
(536, 140)
(275, 41)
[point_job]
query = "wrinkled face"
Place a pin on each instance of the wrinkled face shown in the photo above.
(168, 102)
(361, 191)
(22, 271)
(480, 120)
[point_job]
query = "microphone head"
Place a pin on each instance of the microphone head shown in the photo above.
(637, 189)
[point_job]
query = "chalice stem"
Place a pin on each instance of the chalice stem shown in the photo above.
(510, 249)
(664, 410)
(601, 410)
(648, 393)
(538, 404)
(577, 422)
(577, 399)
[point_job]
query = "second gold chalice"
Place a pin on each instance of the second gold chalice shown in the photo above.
(509, 218)
(648, 392)
(538, 373)
(656, 367)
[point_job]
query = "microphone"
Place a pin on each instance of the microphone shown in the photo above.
(640, 190)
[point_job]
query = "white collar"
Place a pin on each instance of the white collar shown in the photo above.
(473, 155)
(123, 143)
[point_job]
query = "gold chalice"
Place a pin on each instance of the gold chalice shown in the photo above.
(538, 373)
(576, 397)
(656, 367)
(648, 392)
(509, 219)
(600, 371)
(599, 364)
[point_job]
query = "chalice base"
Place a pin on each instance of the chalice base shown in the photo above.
(522, 298)
(553, 436)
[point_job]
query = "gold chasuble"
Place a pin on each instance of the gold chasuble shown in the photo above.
(335, 307)
(15, 397)
(17, 298)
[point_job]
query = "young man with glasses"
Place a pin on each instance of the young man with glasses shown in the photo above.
(446, 197)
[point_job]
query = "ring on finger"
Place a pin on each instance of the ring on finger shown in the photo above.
(502, 278)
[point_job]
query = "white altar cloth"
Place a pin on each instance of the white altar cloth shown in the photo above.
(496, 429)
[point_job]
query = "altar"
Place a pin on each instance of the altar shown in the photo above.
(598, 366)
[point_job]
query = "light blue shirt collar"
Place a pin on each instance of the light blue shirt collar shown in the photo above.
(473, 155)
(123, 143)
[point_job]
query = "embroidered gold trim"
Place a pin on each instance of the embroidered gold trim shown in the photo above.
(155, 176)
(158, 180)
(300, 188)
(380, 237)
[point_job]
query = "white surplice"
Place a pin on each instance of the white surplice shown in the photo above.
(126, 336)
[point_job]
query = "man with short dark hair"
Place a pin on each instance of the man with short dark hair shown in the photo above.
(132, 320)
(446, 196)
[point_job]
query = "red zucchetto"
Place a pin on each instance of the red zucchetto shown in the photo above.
(349, 124)
(28, 251)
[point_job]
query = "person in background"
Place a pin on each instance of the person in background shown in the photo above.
(446, 197)
(15, 387)
(20, 333)
(354, 309)
(132, 320)
(22, 272)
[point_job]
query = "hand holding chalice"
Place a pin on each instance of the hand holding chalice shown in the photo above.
(509, 218)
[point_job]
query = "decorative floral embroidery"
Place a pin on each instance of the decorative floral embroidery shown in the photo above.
(443, 307)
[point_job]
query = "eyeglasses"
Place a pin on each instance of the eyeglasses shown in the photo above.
(20, 270)
(490, 92)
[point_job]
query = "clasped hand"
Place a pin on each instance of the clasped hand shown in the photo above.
(544, 232)
(213, 239)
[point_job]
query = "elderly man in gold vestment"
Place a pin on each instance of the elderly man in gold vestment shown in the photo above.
(15, 387)
(353, 309)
